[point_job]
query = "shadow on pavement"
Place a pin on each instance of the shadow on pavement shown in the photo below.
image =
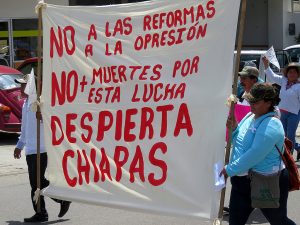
(8, 139)
(49, 222)
(256, 217)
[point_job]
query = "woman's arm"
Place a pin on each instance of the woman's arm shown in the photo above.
(274, 78)
(263, 143)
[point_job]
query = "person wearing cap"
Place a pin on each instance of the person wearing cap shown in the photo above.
(240, 88)
(248, 77)
(290, 97)
(28, 141)
(253, 147)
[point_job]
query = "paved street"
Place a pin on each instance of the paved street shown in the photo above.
(15, 201)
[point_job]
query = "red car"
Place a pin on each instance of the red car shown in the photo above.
(11, 100)
(26, 66)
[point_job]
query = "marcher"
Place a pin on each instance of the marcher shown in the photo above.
(290, 97)
(28, 140)
(248, 76)
(240, 88)
(254, 140)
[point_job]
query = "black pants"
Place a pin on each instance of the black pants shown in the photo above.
(31, 164)
(240, 202)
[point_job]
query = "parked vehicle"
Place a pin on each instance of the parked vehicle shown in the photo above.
(254, 56)
(26, 66)
(293, 53)
(248, 56)
(11, 100)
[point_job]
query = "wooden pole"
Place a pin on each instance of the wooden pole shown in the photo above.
(38, 158)
(234, 92)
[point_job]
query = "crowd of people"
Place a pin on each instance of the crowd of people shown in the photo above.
(272, 115)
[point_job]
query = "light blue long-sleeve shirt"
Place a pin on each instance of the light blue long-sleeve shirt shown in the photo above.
(254, 143)
(28, 135)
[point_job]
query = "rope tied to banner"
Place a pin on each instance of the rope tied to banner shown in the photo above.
(41, 4)
(34, 106)
(37, 195)
(217, 222)
(232, 98)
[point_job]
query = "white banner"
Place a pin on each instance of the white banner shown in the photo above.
(134, 102)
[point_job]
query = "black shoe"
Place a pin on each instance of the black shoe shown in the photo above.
(38, 217)
(64, 207)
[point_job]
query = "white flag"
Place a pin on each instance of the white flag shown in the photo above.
(30, 89)
(271, 56)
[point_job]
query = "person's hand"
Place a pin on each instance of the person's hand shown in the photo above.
(265, 62)
(231, 122)
(17, 153)
(223, 172)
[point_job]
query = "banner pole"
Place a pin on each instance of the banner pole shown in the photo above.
(38, 158)
(234, 92)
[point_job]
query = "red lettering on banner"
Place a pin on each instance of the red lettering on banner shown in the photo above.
(179, 17)
(120, 163)
(63, 89)
(88, 50)
(157, 40)
(83, 167)
(104, 166)
(146, 123)
(70, 128)
(129, 125)
(188, 66)
(87, 165)
(123, 124)
(95, 166)
(183, 121)
(103, 125)
(70, 50)
(119, 121)
(55, 121)
(211, 9)
(159, 163)
(58, 41)
(164, 118)
(158, 92)
(96, 95)
(137, 165)
(92, 33)
(71, 181)
(116, 50)
(121, 27)
(88, 128)
(106, 162)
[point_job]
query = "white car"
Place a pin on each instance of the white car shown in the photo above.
(293, 53)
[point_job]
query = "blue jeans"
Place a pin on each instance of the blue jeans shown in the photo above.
(290, 123)
(240, 202)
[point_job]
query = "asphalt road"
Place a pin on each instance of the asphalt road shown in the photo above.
(15, 201)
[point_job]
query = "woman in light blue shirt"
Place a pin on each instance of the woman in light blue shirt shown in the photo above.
(254, 141)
